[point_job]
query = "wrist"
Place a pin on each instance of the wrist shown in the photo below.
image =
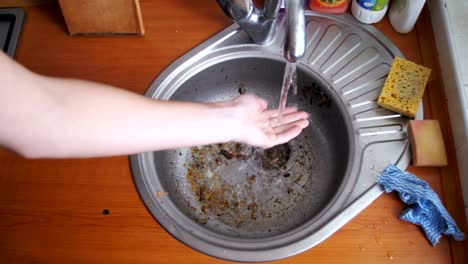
(228, 122)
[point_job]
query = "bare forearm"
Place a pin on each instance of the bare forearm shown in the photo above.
(91, 119)
(122, 122)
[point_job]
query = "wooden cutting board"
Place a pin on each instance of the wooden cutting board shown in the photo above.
(22, 3)
(102, 17)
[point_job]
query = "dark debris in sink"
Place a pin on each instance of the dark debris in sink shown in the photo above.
(316, 96)
(275, 157)
(242, 89)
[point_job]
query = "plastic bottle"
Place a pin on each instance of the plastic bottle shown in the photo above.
(404, 13)
(329, 6)
(369, 11)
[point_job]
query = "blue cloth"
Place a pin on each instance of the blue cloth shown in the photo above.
(426, 209)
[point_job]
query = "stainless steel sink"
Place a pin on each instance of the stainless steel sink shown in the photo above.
(11, 24)
(228, 200)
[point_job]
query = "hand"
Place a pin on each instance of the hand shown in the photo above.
(262, 127)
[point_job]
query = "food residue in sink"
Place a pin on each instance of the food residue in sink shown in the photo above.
(315, 95)
(161, 194)
(239, 185)
(232, 202)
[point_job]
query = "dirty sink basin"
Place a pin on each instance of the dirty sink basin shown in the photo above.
(245, 204)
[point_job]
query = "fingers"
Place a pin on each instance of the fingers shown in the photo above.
(274, 112)
(288, 118)
(287, 134)
(290, 114)
(292, 117)
(284, 133)
(302, 123)
(298, 119)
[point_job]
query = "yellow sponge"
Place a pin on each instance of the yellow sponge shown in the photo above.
(404, 87)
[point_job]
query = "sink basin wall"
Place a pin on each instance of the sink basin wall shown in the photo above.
(318, 166)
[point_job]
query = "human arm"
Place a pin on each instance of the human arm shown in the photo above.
(55, 117)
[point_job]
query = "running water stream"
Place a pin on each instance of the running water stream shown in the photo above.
(289, 78)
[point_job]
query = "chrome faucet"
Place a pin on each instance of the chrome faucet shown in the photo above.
(261, 24)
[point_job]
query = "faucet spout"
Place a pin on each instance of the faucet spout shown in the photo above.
(259, 24)
(236, 9)
(296, 33)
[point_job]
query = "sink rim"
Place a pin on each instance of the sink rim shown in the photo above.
(219, 250)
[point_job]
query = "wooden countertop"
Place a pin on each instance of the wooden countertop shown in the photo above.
(51, 211)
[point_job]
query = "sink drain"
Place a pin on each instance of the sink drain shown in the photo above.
(274, 158)
(282, 160)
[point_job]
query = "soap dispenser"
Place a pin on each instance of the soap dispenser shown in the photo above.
(404, 13)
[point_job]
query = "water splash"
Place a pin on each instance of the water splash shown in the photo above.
(289, 78)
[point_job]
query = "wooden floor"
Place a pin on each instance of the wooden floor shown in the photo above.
(51, 211)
